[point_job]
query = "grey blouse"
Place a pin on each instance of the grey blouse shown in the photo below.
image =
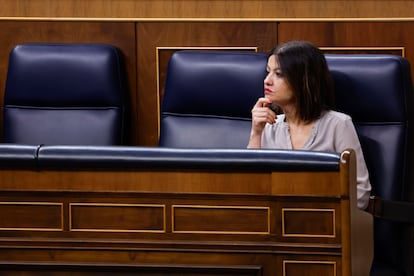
(334, 131)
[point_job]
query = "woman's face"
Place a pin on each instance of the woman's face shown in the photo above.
(276, 87)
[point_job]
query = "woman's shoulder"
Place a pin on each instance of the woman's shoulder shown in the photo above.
(333, 118)
(336, 116)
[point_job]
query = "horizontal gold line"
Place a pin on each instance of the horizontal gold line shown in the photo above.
(100, 204)
(220, 232)
(220, 207)
(115, 230)
(309, 209)
(206, 47)
(308, 236)
(31, 203)
(309, 262)
(213, 19)
(29, 229)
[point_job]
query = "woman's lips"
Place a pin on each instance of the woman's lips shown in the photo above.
(267, 92)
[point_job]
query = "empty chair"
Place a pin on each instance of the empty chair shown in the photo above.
(72, 94)
(208, 98)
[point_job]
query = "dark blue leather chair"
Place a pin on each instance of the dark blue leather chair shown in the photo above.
(67, 94)
(207, 104)
(377, 91)
(208, 98)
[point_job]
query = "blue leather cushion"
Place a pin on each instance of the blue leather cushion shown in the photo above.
(124, 157)
(16, 156)
(64, 94)
(208, 98)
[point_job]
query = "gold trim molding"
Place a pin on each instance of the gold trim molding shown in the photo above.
(365, 49)
(212, 19)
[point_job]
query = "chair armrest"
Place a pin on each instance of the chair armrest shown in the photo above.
(398, 211)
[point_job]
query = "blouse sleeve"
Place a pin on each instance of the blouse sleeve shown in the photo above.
(346, 137)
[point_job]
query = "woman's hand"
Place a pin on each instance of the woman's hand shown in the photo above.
(261, 114)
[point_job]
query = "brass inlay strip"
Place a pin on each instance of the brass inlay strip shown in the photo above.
(71, 228)
(399, 48)
(36, 204)
(285, 262)
(173, 207)
(211, 19)
(284, 234)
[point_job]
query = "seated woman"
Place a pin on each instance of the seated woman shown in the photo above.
(296, 111)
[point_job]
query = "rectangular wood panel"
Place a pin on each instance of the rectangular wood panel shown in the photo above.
(221, 219)
(99, 217)
(294, 267)
(303, 222)
(31, 216)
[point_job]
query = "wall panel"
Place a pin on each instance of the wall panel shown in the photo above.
(377, 37)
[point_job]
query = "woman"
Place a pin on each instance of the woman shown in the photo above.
(296, 110)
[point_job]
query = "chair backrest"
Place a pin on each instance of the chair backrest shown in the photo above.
(208, 98)
(65, 93)
(377, 91)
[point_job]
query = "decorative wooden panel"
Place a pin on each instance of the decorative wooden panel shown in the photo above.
(18, 216)
(307, 222)
(295, 267)
(153, 221)
(354, 37)
(115, 217)
(398, 51)
(221, 219)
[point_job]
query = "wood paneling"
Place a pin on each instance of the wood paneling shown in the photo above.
(158, 221)
(374, 35)
(207, 9)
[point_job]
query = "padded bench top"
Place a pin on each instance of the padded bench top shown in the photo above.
(131, 157)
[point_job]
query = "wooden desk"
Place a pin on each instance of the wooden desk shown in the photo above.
(179, 222)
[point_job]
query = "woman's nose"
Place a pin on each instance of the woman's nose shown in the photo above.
(267, 79)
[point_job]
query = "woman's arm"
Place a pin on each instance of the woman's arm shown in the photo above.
(346, 137)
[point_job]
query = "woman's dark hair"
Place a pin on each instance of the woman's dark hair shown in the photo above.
(304, 67)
